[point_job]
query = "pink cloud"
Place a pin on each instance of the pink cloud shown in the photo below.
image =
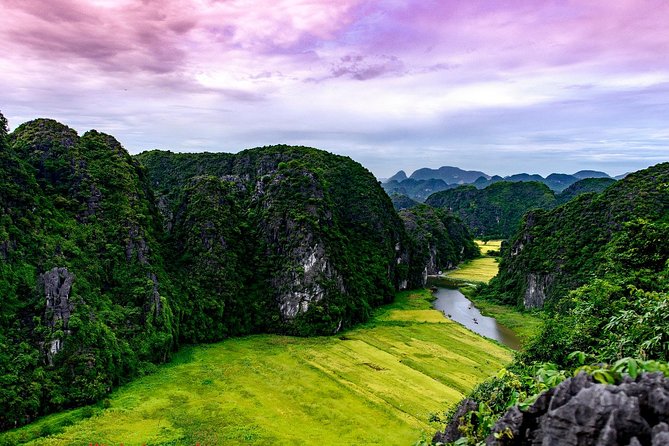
(244, 68)
(173, 36)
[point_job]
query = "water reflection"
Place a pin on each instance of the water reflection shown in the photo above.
(457, 307)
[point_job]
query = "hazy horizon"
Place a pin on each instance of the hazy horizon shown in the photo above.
(528, 86)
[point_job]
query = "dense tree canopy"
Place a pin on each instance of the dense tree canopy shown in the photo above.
(109, 262)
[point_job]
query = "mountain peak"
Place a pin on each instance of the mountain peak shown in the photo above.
(399, 176)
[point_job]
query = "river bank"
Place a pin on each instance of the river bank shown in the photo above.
(377, 383)
(457, 307)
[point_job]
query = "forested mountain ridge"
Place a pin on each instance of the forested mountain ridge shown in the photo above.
(617, 231)
(108, 265)
(424, 182)
(86, 299)
(584, 186)
(496, 210)
(316, 224)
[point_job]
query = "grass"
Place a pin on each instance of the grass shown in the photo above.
(525, 324)
(376, 384)
(479, 270)
(490, 245)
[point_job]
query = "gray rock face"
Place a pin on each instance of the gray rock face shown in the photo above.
(136, 243)
(536, 291)
(301, 282)
(452, 433)
(57, 285)
(580, 412)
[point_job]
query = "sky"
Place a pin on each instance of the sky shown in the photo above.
(502, 86)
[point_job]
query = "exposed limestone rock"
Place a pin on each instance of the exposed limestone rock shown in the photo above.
(304, 286)
(155, 295)
(136, 243)
(452, 433)
(92, 202)
(536, 291)
(57, 285)
(581, 412)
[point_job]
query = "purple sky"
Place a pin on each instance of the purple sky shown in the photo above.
(499, 86)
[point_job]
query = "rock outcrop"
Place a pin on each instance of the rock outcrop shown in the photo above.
(581, 412)
(537, 290)
(556, 251)
(57, 285)
(306, 238)
(437, 242)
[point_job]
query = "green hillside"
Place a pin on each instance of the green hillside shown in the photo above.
(377, 384)
(438, 240)
(111, 262)
(494, 212)
(599, 265)
(597, 269)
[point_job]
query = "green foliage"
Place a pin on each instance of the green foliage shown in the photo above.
(402, 202)
(79, 204)
(584, 186)
(607, 322)
(438, 241)
(132, 260)
(346, 389)
(494, 212)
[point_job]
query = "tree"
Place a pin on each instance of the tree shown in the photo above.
(4, 129)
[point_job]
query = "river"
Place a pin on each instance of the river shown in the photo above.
(457, 307)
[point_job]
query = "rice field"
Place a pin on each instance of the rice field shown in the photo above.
(490, 245)
(375, 384)
(481, 269)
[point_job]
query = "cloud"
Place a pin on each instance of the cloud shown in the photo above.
(363, 68)
(389, 82)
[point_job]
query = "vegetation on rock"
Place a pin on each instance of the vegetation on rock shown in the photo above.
(438, 241)
(495, 211)
(109, 262)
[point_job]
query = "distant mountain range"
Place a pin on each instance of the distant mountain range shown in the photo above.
(425, 181)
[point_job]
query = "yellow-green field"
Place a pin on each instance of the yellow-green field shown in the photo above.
(376, 384)
(490, 245)
(481, 269)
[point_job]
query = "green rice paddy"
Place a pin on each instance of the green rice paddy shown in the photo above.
(376, 384)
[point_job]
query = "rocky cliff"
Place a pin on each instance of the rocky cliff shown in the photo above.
(316, 242)
(438, 241)
(594, 235)
(108, 262)
(580, 411)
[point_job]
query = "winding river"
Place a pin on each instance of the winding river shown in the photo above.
(457, 307)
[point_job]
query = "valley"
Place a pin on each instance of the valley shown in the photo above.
(375, 384)
(278, 296)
